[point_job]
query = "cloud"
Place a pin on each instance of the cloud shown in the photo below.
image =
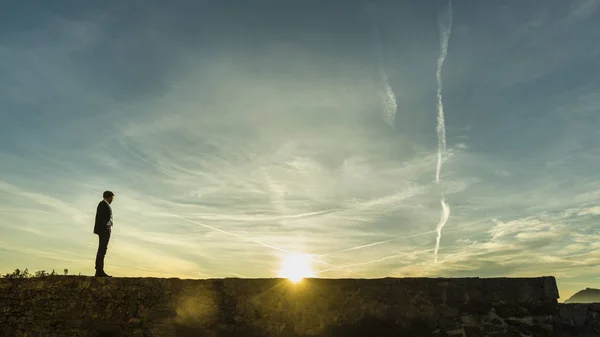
(222, 142)
(590, 211)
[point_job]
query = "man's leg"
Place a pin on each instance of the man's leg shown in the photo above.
(103, 239)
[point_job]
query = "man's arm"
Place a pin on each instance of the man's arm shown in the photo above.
(102, 214)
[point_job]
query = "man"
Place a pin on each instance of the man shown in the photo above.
(102, 228)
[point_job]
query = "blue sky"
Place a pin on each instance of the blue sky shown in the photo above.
(234, 133)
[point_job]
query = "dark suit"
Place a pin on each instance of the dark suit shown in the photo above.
(103, 215)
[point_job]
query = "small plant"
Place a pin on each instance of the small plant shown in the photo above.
(17, 274)
(43, 273)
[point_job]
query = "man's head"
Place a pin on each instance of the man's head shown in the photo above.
(108, 196)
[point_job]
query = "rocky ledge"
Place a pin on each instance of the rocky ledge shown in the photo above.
(85, 306)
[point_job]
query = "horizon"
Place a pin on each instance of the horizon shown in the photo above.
(582, 296)
(365, 140)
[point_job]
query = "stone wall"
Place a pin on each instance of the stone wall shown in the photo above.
(85, 306)
(578, 320)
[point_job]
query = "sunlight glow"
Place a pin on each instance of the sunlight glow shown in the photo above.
(295, 267)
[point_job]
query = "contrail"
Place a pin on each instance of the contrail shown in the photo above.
(373, 261)
(232, 234)
(455, 229)
(389, 98)
(247, 239)
(93, 191)
(440, 226)
(259, 218)
(441, 124)
(393, 256)
(376, 243)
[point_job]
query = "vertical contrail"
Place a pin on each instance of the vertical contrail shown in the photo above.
(388, 96)
(443, 220)
(441, 123)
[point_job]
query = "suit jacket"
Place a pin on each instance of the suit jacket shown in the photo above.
(102, 217)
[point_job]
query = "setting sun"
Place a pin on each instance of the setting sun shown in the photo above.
(296, 267)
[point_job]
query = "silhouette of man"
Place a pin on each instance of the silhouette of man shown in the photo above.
(102, 228)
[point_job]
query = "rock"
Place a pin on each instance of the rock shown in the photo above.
(455, 333)
(473, 331)
(446, 311)
(134, 321)
(471, 320)
(527, 320)
(456, 295)
(449, 324)
(138, 333)
(579, 314)
(489, 328)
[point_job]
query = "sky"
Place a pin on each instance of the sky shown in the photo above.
(380, 138)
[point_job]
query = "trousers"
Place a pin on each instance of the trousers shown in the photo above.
(103, 239)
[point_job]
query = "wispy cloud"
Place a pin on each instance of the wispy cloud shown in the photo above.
(388, 97)
(229, 147)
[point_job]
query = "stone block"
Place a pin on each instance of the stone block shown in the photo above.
(579, 314)
(474, 331)
(455, 333)
(471, 320)
(449, 324)
(446, 311)
(456, 295)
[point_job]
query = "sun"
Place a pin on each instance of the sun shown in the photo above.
(295, 267)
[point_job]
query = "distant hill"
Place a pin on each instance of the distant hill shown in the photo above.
(587, 295)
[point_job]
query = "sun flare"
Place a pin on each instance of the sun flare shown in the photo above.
(296, 267)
